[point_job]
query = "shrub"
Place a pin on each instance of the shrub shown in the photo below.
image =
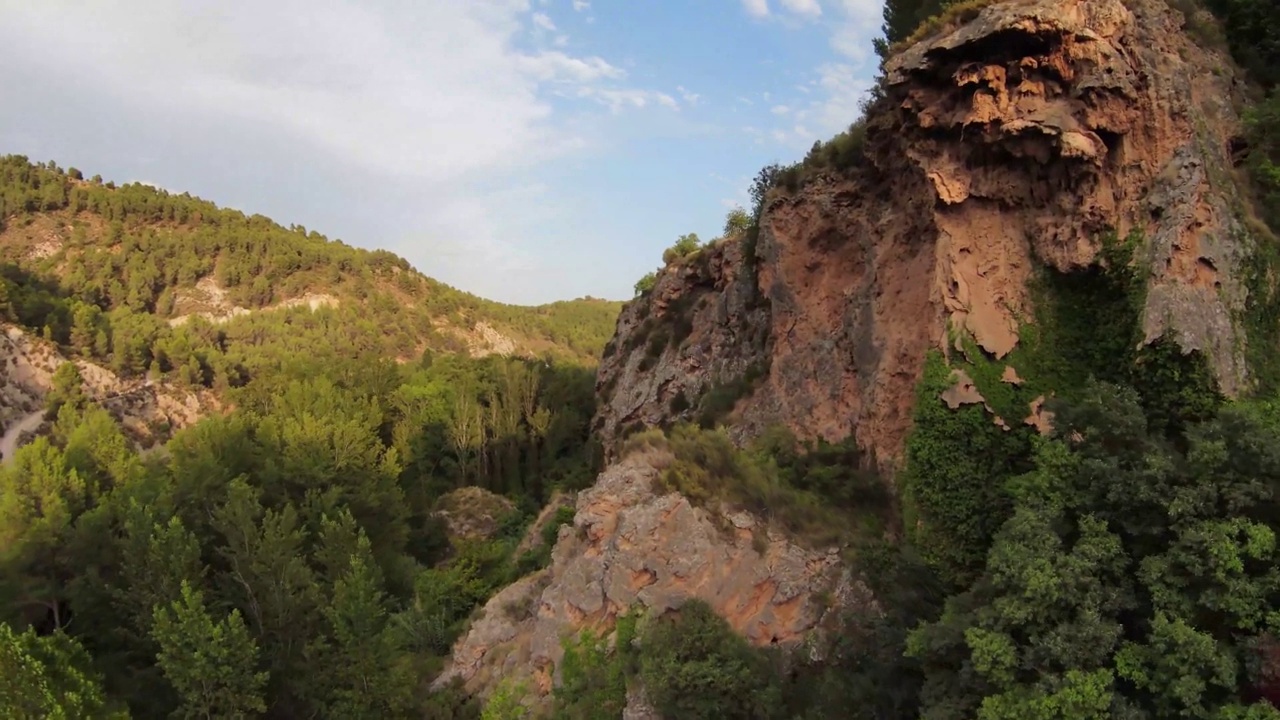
(594, 678)
(685, 246)
(694, 666)
(736, 222)
(707, 467)
(645, 284)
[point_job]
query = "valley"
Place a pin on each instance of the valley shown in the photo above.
(973, 413)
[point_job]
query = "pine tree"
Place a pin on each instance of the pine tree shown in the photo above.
(211, 665)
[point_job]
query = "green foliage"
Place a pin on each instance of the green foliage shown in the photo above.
(959, 460)
(1252, 28)
(646, 284)
(694, 666)
(211, 664)
(594, 677)
(48, 677)
(1132, 578)
(956, 464)
(720, 399)
(909, 21)
(736, 222)
(685, 246)
(303, 526)
(706, 467)
(138, 255)
(505, 703)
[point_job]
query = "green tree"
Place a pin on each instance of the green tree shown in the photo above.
(685, 246)
(68, 389)
(694, 666)
(737, 221)
(645, 284)
(213, 666)
(48, 677)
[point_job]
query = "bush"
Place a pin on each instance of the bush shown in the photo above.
(645, 284)
(594, 678)
(694, 666)
(684, 247)
(736, 222)
(707, 468)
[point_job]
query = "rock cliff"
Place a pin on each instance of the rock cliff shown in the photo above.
(633, 547)
(1007, 143)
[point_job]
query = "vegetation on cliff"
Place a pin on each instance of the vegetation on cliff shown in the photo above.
(286, 560)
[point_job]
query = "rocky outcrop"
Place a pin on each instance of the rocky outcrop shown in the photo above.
(148, 411)
(1011, 142)
(632, 547)
(473, 513)
(704, 324)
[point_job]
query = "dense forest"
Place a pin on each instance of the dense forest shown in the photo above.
(288, 560)
(111, 272)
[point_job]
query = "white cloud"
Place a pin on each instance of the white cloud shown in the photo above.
(436, 103)
(541, 20)
(756, 8)
(438, 90)
(556, 66)
(857, 25)
(561, 40)
(618, 99)
(803, 7)
(581, 5)
(690, 98)
(831, 101)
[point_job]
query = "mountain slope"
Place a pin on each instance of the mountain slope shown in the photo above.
(84, 257)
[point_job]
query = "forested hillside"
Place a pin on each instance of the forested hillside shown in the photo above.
(150, 281)
(290, 557)
(1114, 555)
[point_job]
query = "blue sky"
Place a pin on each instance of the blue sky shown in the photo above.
(523, 150)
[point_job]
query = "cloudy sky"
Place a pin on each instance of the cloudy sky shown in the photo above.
(524, 150)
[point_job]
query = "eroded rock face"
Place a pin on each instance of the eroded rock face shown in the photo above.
(715, 299)
(147, 411)
(1014, 141)
(633, 547)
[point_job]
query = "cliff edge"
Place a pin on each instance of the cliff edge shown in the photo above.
(1009, 143)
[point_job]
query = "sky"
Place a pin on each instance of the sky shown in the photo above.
(523, 150)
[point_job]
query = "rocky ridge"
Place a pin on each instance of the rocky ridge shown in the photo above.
(635, 547)
(1011, 142)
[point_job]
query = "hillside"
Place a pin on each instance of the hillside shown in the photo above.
(974, 414)
(140, 277)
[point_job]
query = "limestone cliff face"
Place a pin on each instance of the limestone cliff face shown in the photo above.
(1012, 141)
(631, 547)
(705, 322)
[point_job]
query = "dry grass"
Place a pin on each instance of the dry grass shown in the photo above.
(950, 18)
